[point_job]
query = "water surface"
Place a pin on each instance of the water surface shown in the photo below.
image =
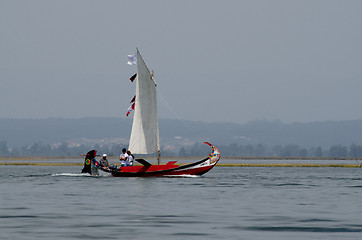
(43, 202)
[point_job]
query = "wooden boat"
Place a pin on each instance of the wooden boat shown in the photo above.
(144, 137)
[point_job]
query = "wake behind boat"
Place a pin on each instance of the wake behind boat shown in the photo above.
(144, 137)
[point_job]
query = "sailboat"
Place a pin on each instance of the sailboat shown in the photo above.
(144, 137)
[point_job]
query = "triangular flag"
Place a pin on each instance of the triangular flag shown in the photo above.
(133, 77)
(133, 99)
(132, 106)
(130, 109)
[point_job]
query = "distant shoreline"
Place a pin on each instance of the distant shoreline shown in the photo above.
(47, 161)
(11, 158)
(218, 165)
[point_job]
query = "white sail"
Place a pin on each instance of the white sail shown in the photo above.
(144, 136)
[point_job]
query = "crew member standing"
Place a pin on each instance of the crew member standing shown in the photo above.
(130, 158)
(123, 158)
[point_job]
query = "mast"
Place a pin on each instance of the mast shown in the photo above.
(158, 157)
(158, 137)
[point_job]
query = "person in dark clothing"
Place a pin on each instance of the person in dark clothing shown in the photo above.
(89, 161)
(104, 162)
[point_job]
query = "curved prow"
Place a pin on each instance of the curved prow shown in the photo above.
(88, 161)
(215, 155)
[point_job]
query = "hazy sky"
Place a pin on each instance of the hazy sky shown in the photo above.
(214, 61)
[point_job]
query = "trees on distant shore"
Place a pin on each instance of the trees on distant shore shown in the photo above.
(195, 150)
(290, 150)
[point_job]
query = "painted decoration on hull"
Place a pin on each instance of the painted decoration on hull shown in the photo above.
(87, 168)
(215, 155)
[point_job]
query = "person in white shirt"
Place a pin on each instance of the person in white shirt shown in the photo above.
(130, 158)
(123, 157)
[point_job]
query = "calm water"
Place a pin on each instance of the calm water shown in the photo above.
(227, 203)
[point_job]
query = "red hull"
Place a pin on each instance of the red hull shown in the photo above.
(162, 170)
(169, 169)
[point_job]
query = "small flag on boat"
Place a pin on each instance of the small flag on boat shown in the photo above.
(130, 109)
(133, 77)
(132, 106)
(132, 59)
(133, 99)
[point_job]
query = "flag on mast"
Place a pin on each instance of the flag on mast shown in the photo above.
(130, 109)
(132, 59)
(133, 77)
(133, 101)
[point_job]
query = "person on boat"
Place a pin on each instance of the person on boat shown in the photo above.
(130, 158)
(123, 158)
(104, 162)
(95, 163)
(89, 161)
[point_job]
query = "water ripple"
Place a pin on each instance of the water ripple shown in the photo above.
(300, 229)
